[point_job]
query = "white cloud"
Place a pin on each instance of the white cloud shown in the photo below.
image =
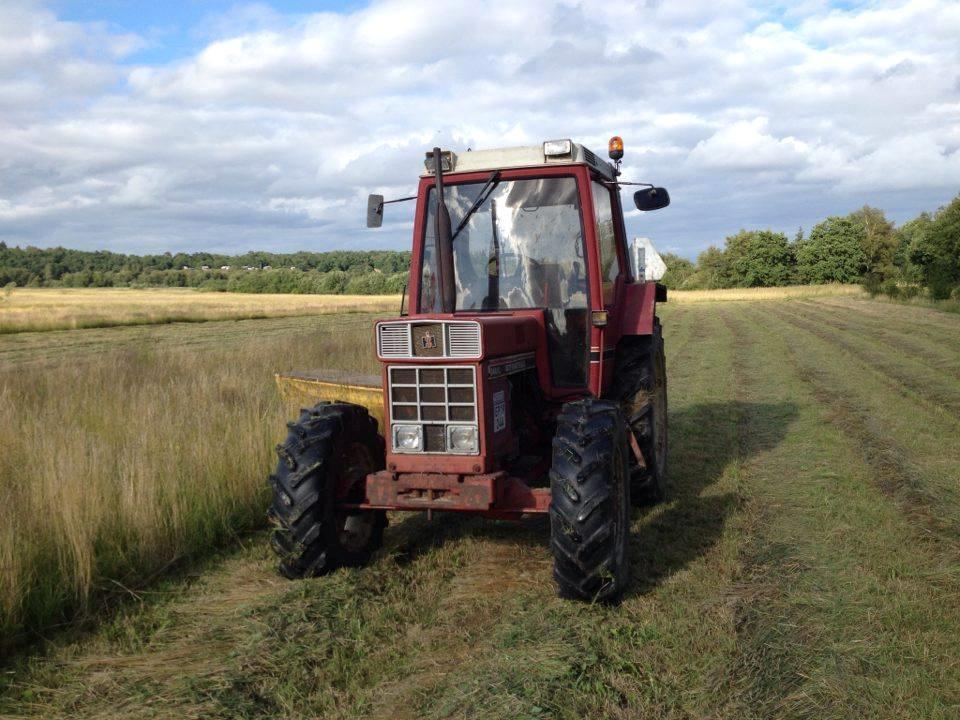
(272, 133)
(746, 145)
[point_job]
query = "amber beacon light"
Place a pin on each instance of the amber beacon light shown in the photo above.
(615, 147)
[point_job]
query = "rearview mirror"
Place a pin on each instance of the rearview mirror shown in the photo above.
(374, 211)
(651, 198)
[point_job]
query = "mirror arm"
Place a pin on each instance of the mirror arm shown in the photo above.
(403, 199)
(618, 183)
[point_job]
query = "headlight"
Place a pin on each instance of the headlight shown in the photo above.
(462, 439)
(557, 148)
(408, 438)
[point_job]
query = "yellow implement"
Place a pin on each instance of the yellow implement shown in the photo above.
(306, 389)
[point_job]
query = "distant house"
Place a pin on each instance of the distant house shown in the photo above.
(186, 267)
(224, 267)
(204, 267)
(267, 267)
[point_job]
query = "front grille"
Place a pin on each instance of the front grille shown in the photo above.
(459, 339)
(434, 397)
(394, 340)
(463, 340)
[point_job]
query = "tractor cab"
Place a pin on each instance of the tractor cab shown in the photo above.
(527, 376)
(521, 248)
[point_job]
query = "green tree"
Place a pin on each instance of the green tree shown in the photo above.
(397, 282)
(334, 282)
(833, 252)
(678, 270)
(758, 258)
(937, 252)
(712, 271)
(879, 243)
(373, 283)
(909, 237)
(49, 266)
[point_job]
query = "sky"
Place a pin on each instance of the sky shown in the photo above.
(150, 127)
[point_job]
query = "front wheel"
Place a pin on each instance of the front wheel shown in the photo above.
(590, 501)
(323, 463)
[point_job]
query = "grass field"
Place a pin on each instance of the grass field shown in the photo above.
(29, 309)
(804, 565)
(124, 450)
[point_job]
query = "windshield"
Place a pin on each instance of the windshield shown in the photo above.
(521, 248)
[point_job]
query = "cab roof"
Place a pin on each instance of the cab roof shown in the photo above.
(521, 157)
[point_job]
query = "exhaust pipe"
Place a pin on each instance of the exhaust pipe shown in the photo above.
(444, 243)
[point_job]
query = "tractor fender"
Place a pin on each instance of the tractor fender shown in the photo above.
(640, 307)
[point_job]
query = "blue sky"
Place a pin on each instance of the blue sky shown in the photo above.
(173, 30)
(146, 127)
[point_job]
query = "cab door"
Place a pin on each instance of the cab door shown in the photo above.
(611, 260)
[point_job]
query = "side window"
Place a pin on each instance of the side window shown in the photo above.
(609, 265)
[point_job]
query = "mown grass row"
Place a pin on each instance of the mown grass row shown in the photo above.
(858, 617)
(113, 466)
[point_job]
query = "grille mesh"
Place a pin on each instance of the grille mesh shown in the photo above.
(463, 339)
(395, 340)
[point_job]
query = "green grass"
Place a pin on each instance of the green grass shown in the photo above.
(805, 565)
(951, 305)
(126, 451)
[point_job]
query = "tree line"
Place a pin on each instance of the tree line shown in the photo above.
(920, 256)
(373, 272)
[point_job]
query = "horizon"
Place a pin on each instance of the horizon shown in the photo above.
(207, 127)
(791, 240)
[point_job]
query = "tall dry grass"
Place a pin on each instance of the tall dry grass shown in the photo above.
(113, 468)
(764, 293)
(31, 309)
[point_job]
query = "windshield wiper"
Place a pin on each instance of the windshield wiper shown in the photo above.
(485, 191)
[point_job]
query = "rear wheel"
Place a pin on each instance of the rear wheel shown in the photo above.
(640, 386)
(590, 501)
(324, 461)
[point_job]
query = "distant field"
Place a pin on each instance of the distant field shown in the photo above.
(773, 293)
(804, 565)
(28, 309)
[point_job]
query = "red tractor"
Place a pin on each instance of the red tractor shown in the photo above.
(528, 376)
